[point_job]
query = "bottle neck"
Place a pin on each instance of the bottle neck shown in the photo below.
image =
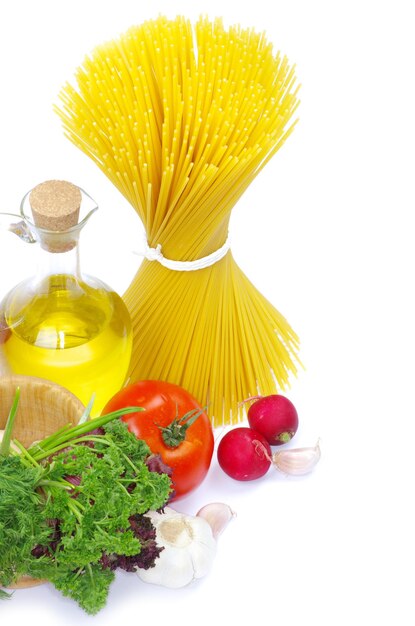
(59, 262)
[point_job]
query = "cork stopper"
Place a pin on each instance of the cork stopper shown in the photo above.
(55, 207)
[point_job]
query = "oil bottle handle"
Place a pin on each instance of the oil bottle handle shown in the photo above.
(15, 224)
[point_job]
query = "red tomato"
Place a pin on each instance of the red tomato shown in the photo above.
(165, 404)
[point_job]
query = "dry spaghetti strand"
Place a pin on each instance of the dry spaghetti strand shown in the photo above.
(181, 120)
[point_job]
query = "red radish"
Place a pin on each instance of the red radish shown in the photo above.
(275, 417)
(244, 454)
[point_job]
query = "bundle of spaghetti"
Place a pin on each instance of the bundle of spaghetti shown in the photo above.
(181, 119)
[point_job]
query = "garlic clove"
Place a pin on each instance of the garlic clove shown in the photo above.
(297, 461)
(218, 515)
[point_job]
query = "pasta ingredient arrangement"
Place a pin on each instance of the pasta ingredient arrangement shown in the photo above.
(182, 120)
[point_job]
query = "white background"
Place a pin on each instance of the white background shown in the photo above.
(325, 233)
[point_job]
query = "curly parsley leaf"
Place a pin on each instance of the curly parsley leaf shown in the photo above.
(97, 489)
(22, 524)
(72, 510)
(88, 587)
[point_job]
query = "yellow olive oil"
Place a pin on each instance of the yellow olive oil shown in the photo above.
(73, 332)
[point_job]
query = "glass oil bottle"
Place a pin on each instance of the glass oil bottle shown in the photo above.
(61, 324)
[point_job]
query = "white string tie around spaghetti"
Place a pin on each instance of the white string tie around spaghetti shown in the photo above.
(155, 254)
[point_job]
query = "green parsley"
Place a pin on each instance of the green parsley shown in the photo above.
(72, 508)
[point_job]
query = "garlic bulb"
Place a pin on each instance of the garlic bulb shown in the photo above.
(297, 461)
(189, 545)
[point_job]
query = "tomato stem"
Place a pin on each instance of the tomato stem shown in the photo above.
(175, 433)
